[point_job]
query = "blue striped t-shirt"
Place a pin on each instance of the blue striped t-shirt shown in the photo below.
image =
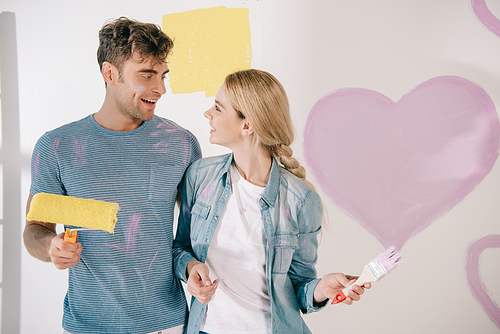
(124, 281)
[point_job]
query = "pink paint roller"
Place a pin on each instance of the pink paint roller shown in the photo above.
(67, 210)
(384, 263)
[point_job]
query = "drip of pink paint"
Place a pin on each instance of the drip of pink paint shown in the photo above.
(55, 143)
(476, 284)
(151, 264)
(396, 167)
(80, 151)
(485, 16)
(133, 227)
(36, 163)
(207, 192)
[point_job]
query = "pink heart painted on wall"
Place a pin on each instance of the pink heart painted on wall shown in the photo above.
(485, 16)
(476, 284)
(396, 167)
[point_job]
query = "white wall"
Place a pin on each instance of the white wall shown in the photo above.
(313, 47)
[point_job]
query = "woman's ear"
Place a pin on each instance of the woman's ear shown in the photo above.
(247, 129)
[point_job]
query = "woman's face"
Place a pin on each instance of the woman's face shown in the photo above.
(226, 125)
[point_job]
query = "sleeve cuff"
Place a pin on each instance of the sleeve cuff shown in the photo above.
(311, 306)
(181, 263)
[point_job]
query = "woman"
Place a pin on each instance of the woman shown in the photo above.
(249, 221)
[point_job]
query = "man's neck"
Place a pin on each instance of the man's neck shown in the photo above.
(112, 119)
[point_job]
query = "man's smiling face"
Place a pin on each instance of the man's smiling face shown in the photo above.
(140, 85)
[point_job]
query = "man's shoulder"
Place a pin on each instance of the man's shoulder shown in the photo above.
(69, 128)
(169, 126)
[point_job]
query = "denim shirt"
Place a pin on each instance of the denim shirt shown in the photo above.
(291, 213)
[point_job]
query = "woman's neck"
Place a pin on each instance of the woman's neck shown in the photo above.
(254, 165)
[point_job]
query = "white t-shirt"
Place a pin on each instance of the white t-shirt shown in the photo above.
(237, 257)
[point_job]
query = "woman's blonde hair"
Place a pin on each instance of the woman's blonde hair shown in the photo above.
(261, 99)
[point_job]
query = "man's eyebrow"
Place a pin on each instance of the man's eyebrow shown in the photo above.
(150, 70)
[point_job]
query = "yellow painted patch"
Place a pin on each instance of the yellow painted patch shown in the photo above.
(208, 45)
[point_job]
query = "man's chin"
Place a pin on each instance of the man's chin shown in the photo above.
(147, 116)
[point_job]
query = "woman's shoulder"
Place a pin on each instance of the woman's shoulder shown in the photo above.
(205, 165)
(296, 185)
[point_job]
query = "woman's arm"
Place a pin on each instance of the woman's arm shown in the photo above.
(182, 250)
(302, 271)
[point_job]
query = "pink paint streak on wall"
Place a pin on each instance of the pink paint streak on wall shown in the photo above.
(484, 15)
(396, 167)
(476, 284)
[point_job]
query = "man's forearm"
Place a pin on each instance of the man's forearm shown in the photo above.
(37, 239)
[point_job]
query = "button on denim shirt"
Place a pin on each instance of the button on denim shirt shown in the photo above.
(291, 213)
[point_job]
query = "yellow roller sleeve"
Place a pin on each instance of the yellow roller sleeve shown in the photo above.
(73, 211)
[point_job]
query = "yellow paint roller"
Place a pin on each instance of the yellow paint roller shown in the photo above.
(67, 210)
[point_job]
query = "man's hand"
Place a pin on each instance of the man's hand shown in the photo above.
(62, 254)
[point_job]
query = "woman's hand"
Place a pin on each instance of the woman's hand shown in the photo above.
(331, 284)
(199, 284)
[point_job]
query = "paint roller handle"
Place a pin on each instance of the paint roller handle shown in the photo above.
(70, 236)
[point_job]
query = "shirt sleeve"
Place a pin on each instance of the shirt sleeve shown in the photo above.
(194, 154)
(182, 250)
(45, 172)
(303, 267)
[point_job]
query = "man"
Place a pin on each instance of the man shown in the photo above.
(121, 282)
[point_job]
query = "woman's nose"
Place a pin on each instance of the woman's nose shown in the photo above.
(208, 113)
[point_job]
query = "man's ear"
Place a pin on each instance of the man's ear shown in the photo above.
(247, 129)
(109, 73)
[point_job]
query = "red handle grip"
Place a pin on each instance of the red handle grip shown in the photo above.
(339, 298)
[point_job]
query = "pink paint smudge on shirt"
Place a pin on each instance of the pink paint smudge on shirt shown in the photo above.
(486, 17)
(154, 257)
(160, 147)
(80, 151)
(287, 213)
(55, 143)
(476, 284)
(133, 227)
(36, 164)
(207, 192)
(167, 128)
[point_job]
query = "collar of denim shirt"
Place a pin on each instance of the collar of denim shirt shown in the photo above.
(271, 191)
